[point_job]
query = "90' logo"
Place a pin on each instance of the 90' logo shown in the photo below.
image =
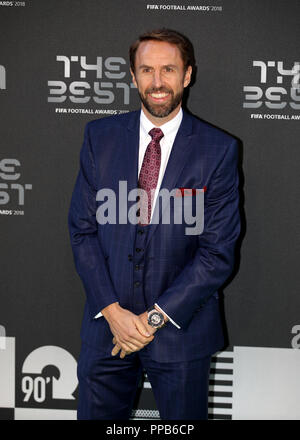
(35, 388)
(38, 386)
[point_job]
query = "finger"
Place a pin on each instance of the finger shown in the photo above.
(133, 347)
(115, 350)
(142, 329)
(134, 335)
(137, 342)
(129, 346)
(130, 343)
(123, 354)
(122, 346)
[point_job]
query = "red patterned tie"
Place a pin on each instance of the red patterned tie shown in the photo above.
(149, 174)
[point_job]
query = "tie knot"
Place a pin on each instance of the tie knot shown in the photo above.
(156, 134)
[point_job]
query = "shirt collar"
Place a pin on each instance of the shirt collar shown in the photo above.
(169, 127)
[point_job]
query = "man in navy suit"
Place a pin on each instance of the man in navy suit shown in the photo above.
(152, 285)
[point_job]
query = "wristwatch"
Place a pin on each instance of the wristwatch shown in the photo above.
(155, 318)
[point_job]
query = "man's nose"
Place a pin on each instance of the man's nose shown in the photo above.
(157, 82)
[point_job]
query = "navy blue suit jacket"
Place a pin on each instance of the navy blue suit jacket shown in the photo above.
(182, 273)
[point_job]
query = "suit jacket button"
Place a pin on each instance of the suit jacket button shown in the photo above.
(130, 257)
(138, 249)
(137, 284)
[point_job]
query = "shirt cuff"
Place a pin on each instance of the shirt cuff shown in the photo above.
(171, 320)
(100, 314)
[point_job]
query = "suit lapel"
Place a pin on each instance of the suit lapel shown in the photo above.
(177, 160)
(132, 150)
(132, 158)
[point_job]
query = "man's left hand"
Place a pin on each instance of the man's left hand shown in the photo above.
(144, 318)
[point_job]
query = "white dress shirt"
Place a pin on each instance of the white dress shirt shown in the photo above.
(169, 130)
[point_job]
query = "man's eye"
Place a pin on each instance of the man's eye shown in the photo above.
(146, 70)
(168, 69)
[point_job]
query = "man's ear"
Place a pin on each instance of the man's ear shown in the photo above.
(133, 78)
(187, 76)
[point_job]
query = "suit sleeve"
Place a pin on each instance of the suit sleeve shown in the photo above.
(214, 259)
(88, 255)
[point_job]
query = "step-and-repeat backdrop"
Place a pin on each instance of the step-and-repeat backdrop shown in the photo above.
(64, 63)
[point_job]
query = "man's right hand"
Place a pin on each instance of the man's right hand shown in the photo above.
(127, 328)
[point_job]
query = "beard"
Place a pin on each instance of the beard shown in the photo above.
(161, 110)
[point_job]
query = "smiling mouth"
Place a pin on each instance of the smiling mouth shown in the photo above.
(161, 96)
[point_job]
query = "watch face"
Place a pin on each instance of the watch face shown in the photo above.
(155, 319)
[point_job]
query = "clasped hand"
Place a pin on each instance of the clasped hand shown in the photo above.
(130, 332)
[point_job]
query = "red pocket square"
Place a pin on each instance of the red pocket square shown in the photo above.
(182, 192)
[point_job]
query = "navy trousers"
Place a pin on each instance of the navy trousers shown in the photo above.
(108, 385)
